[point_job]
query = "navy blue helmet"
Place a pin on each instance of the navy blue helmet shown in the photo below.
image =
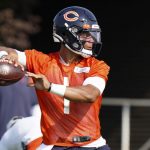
(70, 22)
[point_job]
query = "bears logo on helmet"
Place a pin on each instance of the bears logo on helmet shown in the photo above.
(74, 18)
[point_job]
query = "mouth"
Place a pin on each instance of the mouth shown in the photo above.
(88, 48)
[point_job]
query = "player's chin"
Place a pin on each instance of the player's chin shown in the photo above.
(85, 55)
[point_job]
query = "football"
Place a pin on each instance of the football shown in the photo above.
(10, 74)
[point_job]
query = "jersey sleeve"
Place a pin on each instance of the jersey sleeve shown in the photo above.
(99, 69)
(35, 60)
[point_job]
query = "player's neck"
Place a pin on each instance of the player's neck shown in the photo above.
(69, 57)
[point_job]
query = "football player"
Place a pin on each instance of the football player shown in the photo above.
(70, 82)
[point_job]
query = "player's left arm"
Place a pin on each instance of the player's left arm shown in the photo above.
(88, 92)
(91, 89)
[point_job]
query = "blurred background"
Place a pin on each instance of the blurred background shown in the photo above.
(27, 24)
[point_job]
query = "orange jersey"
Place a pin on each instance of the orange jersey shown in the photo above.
(34, 144)
(83, 120)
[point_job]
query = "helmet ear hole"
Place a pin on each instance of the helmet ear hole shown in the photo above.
(63, 34)
(65, 37)
(76, 45)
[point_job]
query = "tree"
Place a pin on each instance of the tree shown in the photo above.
(17, 23)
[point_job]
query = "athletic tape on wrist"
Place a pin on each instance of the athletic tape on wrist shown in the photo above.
(58, 89)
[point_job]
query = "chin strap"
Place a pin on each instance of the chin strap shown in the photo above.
(87, 52)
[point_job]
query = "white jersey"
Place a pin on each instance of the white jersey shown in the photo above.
(24, 131)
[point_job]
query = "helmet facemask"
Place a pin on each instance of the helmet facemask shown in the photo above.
(71, 39)
(93, 38)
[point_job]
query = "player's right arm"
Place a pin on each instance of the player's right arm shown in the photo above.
(13, 55)
(10, 52)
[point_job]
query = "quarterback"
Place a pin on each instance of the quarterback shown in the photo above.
(69, 82)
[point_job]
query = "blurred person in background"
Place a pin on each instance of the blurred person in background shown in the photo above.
(16, 100)
(21, 131)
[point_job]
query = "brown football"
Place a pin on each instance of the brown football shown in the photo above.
(10, 74)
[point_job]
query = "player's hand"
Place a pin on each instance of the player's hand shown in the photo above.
(12, 59)
(40, 81)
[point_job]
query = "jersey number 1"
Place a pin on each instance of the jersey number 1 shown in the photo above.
(66, 101)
